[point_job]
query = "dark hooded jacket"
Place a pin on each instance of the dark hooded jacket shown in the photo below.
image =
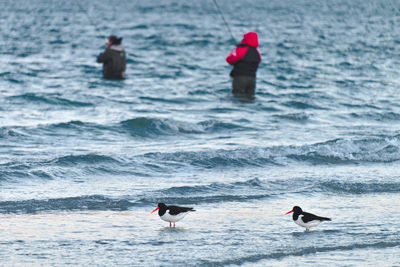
(246, 57)
(114, 62)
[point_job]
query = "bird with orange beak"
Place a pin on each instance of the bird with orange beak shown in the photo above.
(172, 214)
(306, 219)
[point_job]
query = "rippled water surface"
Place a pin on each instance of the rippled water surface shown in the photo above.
(83, 160)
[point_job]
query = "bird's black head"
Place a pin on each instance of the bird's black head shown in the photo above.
(297, 210)
(161, 205)
(162, 208)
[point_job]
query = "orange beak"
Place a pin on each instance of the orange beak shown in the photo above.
(155, 210)
(289, 212)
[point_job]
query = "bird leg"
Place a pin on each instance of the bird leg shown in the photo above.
(169, 224)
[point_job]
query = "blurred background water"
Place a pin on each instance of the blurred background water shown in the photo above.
(83, 160)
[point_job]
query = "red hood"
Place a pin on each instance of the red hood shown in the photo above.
(250, 38)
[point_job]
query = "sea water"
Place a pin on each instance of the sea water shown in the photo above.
(83, 160)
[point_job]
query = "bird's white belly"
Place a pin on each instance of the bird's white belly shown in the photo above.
(300, 222)
(173, 218)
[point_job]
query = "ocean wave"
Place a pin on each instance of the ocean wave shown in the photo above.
(66, 125)
(249, 190)
(305, 251)
(11, 132)
(297, 117)
(6, 175)
(150, 127)
(242, 191)
(213, 193)
(50, 99)
(69, 129)
(141, 127)
(338, 151)
(76, 127)
(85, 159)
(356, 188)
(195, 200)
(59, 166)
(93, 202)
(217, 158)
(377, 116)
(256, 189)
(11, 175)
(302, 105)
(185, 195)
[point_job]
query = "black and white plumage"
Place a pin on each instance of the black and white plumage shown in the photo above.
(172, 214)
(306, 219)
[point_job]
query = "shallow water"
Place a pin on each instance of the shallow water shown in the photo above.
(83, 160)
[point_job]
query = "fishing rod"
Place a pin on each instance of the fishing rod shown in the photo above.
(226, 24)
(89, 18)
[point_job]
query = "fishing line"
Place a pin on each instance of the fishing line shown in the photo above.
(223, 18)
(89, 19)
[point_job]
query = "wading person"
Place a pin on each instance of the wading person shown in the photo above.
(245, 60)
(113, 59)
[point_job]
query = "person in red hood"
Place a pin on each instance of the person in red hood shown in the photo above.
(245, 60)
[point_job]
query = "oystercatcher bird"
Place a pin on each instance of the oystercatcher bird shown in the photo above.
(172, 214)
(306, 219)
